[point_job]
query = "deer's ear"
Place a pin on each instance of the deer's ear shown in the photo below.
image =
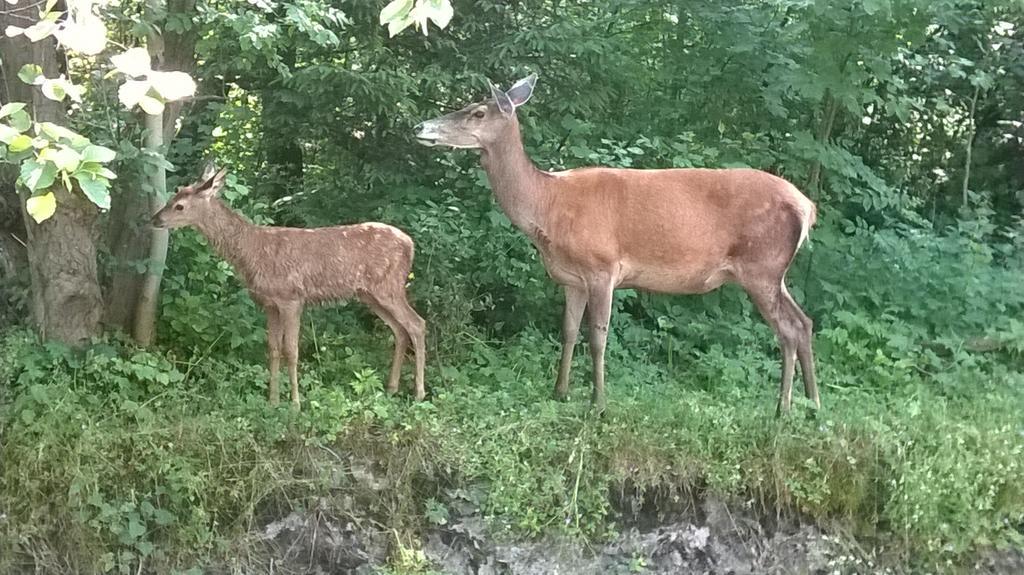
(504, 103)
(211, 188)
(209, 169)
(521, 91)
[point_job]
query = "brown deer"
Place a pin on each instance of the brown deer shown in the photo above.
(672, 231)
(288, 268)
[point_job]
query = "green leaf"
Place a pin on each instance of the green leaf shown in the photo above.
(163, 517)
(94, 153)
(10, 108)
(96, 188)
(41, 207)
(57, 133)
(136, 529)
(28, 416)
(38, 176)
(19, 143)
(20, 121)
(30, 74)
(54, 90)
(145, 548)
(97, 169)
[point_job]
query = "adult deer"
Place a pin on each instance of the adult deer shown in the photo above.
(673, 231)
(287, 268)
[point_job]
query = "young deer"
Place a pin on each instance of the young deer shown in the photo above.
(673, 231)
(287, 268)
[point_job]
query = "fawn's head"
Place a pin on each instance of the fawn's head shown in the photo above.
(192, 203)
(481, 123)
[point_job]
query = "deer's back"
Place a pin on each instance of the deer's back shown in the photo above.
(324, 264)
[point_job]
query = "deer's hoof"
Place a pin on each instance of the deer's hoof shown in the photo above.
(421, 395)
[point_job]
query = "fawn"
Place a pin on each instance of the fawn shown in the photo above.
(285, 269)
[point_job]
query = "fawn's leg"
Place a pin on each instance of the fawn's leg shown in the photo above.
(401, 342)
(413, 325)
(274, 341)
(291, 320)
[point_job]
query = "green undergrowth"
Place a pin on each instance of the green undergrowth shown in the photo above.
(115, 456)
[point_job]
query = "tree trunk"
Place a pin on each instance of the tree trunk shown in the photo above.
(149, 294)
(971, 131)
(66, 303)
(828, 118)
(129, 233)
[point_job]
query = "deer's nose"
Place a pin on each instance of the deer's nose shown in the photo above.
(418, 128)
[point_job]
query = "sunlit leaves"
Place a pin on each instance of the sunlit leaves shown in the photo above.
(154, 88)
(400, 14)
(80, 30)
(133, 62)
(41, 208)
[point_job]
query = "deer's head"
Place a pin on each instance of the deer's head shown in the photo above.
(481, 123)
(192, 203)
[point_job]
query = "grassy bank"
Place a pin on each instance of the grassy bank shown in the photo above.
(116, 456)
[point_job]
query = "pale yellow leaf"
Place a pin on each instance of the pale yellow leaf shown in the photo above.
(41, 207)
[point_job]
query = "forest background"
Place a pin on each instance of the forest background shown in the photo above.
(133, 423)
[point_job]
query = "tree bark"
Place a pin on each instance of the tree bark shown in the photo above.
(65, 301)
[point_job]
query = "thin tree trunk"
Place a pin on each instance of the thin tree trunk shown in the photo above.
(829, 108)
(130, 236)
(972, 129)
(66, 302)
(149, 295)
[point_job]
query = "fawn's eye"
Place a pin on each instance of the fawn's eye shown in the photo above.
(479, 114)
(178, 207)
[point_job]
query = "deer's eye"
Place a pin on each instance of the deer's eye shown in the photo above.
(178, 207)
(479, 114)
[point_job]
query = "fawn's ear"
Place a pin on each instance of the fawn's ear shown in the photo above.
(209, 169)
(212, 186)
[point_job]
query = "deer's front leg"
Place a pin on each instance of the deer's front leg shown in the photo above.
(575, 304)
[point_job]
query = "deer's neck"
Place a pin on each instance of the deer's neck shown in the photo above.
(516, 182)
(227, 231)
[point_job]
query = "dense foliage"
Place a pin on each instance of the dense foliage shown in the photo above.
(901, 119)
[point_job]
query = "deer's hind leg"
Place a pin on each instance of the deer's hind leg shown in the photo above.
(291, 321)
(769, 297)
(398, 306)
(274, 343)
(401, 341)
